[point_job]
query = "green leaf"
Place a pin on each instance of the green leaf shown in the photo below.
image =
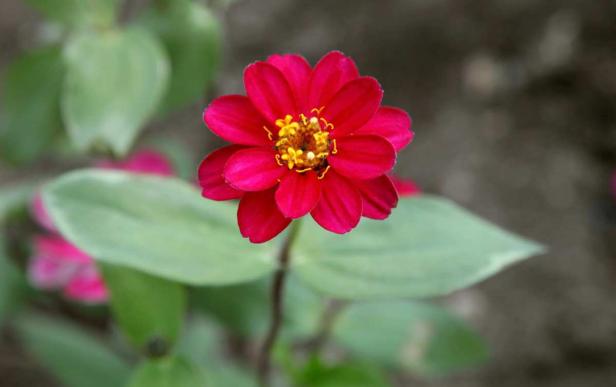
(149, 310)
(341, 375)
(200, 340)
(161, 226)
(191, 35)
(78, 13)
(31, 104)
(115, 80)
(200, 343)
(241, 308)
(13, 198)
(428, 247)
(12, 284)
(245, 308)
(167, 372)
(226, 375)
(415, 336)
(75, 357)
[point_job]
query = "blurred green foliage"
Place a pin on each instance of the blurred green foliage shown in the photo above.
(12, 284)
(418, 337)
(149, 310)
(105, 80)
(317, 374)
(31, 109)
(114, 82)
(76, 357)
(167, 372)
(78, 13)
(191, 36)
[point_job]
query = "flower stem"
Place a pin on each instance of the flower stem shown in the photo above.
(277, 297)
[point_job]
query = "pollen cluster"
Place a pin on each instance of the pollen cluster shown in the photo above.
(304, 144)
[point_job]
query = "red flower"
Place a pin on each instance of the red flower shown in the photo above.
(306, 140)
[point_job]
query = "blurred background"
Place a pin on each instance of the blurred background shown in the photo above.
(514, 110)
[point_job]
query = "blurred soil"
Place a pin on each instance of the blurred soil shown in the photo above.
(514, 109)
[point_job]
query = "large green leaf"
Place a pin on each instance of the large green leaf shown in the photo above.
(75, 357)
(161, 226)
(115, 79)
(150, 310)
(429, 246)
(191, 35)
(410, 335)
(31, 104)
(77, 13)
(168, 372)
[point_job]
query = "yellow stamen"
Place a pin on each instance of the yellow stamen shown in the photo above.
(322, 175)
(278, 160)
(303, 144)
(269, 133)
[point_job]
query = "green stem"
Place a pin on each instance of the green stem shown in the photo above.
(277, 297)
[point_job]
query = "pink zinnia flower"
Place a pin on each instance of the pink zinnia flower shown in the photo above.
(145, 161)
(59, 265)
(305, 140)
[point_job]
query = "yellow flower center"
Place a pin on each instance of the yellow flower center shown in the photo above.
(304, 144)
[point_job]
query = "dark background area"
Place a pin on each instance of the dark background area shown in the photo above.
(514, 109)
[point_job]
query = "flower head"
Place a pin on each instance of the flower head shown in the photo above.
(57, 264)
(305, 140)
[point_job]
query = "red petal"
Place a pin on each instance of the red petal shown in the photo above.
(405, 187)
(149, 162)
(259, 218)
(57, 248)
(297, 71)
(253, 169)
(363, 157)
(332, 72)
(379, 197)
(50, 273)
(340, 207)
(392, 123)
(87, 286)
(269, 91)
(235, 119)
(353, 106)
(211, 177)
(298, 194)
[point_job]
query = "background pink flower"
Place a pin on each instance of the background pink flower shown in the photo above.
(145, 161)
(57, 264)
(306, 140)
(405, 187)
